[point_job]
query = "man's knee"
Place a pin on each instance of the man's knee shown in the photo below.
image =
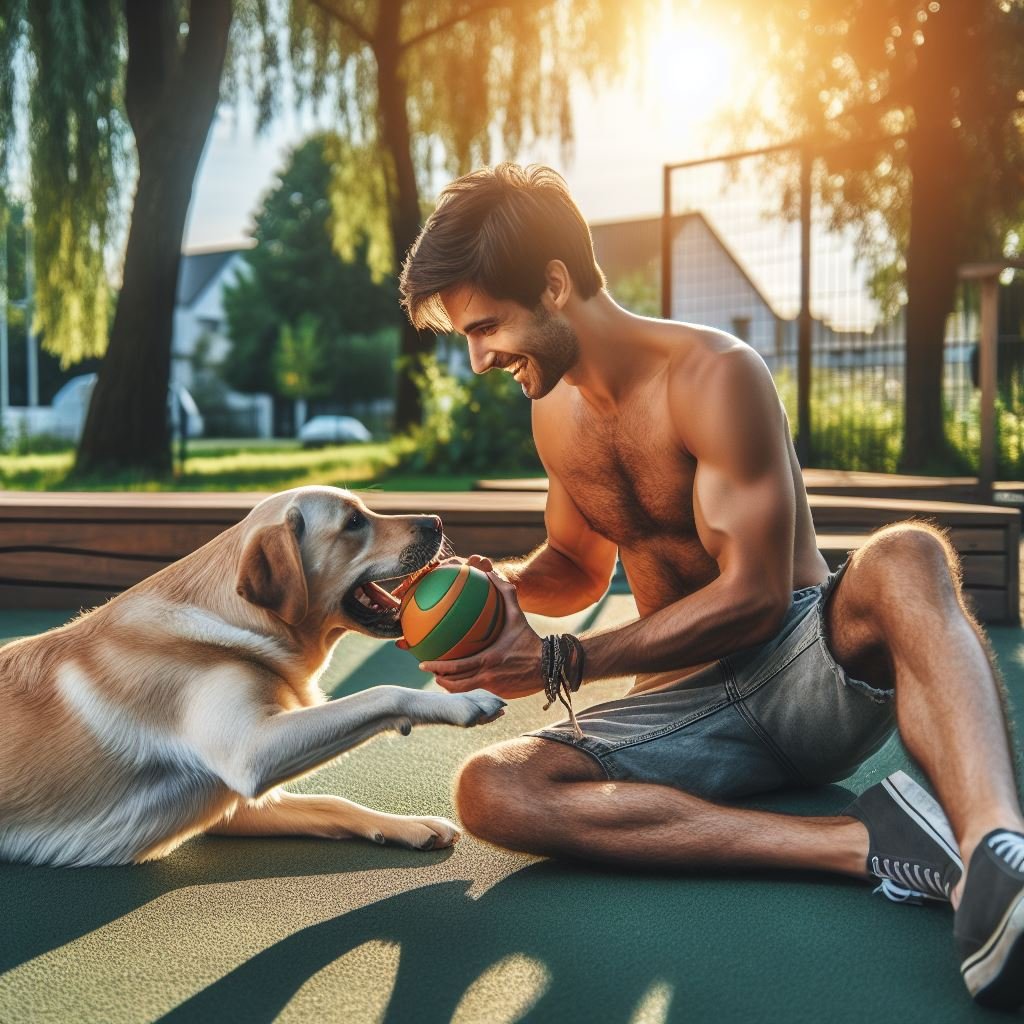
(501, 791)
(482, 788)
(908, 555)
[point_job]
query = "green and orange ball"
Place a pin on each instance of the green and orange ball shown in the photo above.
(453, 612)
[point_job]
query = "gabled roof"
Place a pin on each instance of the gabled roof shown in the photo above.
(627, 246)
(198, 269)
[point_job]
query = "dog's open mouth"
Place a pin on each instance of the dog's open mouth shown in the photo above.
(374, 603)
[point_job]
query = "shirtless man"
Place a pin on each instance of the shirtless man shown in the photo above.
(755, 668)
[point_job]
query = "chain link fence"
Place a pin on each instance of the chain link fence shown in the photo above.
(771, 243)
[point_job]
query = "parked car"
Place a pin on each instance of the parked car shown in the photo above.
(322, 430)
(71, 404)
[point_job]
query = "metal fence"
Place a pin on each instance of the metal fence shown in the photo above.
(775, 247)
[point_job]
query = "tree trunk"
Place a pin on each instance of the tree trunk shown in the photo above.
(171, 96)
(937, 243)
(933, 254)
(403, 194)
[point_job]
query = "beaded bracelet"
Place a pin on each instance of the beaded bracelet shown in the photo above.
(562, 663)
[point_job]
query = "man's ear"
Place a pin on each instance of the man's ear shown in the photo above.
(557, 285)
(270, 573)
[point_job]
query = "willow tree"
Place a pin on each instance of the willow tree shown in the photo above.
(428, 84)
(946, 74)
(172, 85)
(74, 153)
(115, 87)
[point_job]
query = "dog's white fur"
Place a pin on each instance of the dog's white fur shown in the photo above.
(180, 706)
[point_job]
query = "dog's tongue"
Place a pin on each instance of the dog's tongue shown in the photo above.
(382, 596)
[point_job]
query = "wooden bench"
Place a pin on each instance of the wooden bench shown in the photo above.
(852, 484)
(64, 550)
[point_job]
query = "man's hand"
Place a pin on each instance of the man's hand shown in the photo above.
(510, 667)
(481, 562)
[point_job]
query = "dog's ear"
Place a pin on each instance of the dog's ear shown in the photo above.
(270, 573)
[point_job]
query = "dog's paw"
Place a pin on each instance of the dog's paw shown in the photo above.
(476, 707)
(417, 833)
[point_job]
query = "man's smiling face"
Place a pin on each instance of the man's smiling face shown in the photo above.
(536, 347)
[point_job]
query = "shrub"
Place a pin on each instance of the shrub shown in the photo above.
(480, 425)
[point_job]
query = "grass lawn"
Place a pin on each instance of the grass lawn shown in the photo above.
(245, 465)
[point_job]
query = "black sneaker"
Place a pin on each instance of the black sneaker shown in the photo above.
(989, 923)
(911, 849)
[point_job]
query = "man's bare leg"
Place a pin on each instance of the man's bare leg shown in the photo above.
(540, 796)
(895, 616)
(900, 613)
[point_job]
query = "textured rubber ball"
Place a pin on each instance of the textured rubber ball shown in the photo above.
(452, 612)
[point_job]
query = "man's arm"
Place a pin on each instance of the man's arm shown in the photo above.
(731, 420)
(571, 570)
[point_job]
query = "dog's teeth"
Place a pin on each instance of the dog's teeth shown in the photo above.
(380, 597)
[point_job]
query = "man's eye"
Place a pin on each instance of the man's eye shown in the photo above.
(355, 520)
(489, 329)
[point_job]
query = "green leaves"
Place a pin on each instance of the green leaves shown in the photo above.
(303, 321)
(479, 425)
(301, 360)
(76, 141)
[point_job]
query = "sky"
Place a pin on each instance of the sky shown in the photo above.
(666, 108)
(674, 102)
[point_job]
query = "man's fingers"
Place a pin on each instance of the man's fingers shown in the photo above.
(456, 685)
(462, 667)
(501, 583)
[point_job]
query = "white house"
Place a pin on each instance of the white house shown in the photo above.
(710, 285)
(199, 311)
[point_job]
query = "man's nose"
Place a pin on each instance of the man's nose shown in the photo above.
(479, 358)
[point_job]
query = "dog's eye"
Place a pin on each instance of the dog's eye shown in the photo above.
(355, 520)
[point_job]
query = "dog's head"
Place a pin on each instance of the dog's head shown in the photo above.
(319, 556)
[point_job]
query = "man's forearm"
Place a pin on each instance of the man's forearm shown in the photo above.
(715, 621)
(549, 583)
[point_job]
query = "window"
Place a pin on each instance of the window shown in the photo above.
(741, 327)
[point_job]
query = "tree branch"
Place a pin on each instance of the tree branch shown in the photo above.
(330, 8)
(464, 15)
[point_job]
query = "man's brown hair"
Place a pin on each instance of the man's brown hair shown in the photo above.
(497, 229)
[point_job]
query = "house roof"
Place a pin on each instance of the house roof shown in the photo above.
(626, 246)
(198, 269)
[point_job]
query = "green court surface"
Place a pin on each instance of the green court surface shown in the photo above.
(304, 930)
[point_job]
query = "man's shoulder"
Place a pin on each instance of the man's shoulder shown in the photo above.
(707, 358)
(715, 377)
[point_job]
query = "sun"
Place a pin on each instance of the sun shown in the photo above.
(690, 65)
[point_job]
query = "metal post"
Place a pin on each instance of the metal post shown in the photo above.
(182, 431)
(31, 341)
(5, 369)
(666, 243)
(987, 378)
(803, 383)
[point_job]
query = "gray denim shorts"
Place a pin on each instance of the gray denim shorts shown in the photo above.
(777, 715)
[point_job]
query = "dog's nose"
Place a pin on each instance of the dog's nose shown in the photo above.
(432, 523)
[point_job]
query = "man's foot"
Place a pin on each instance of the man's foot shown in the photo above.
(989, 923)
(911, 849)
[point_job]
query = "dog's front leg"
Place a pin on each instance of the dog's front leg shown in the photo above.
(330, 817)
(254, 751)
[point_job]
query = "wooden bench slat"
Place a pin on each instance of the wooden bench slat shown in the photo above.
(83, 544)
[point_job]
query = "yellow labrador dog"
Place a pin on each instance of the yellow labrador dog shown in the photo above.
(180, 706)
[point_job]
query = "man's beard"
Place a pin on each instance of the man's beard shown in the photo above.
(552, 348)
